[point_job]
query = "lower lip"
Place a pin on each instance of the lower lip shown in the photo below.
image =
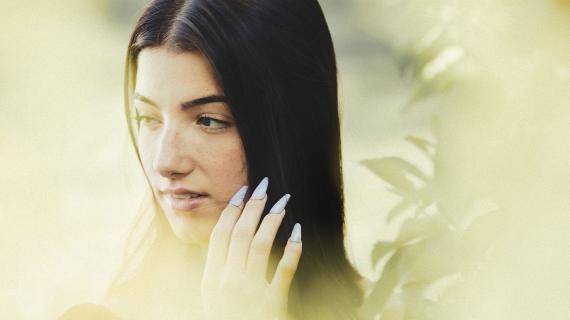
(185, 204)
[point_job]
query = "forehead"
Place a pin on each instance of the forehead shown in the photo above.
(164, 74)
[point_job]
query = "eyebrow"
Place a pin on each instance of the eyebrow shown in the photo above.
(188, 104)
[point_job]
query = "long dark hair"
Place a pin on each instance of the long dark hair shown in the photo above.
(276, 64)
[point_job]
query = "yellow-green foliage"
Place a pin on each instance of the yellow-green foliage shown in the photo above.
(484, 236)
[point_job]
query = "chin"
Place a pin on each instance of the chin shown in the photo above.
(189, 229)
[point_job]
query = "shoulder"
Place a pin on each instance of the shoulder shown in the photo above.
(88, 311)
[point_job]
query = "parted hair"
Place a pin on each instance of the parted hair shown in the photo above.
(276, 65)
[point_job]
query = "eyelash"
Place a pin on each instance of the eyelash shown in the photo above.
(140, 119)
(224, 123)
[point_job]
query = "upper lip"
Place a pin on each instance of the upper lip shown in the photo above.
(181, 191)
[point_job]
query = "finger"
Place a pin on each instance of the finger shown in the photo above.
(265, 236)
(221, 234)
(245, 227)
(288, 264)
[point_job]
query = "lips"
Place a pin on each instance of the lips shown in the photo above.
(183, 191)
(186, 195)
(184, 199)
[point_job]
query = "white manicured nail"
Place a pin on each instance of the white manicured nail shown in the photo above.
(296, 234)
(280, 205)
(237, 199)
(261, 189)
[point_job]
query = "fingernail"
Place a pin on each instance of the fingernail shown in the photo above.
(237, 199)
(296, 234)
(259, 192)
(280, 205)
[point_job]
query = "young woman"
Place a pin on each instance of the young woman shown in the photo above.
(232, 107)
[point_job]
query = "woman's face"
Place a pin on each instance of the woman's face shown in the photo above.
(188, 140)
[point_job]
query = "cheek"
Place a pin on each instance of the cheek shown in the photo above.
(225, 162)
(220, 158)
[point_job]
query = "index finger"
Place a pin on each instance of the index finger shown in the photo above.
(221, 234)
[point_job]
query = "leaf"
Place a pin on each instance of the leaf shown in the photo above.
(383, 288)
(425, 89)
(424, 145)
(442, 63)
(432, 288)
(422, 91)
(380, 250)
(422, 226)
(394, 171)
(406, 63)
(433, 257)
(401, 207)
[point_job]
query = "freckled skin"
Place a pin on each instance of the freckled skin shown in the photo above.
(175, 141)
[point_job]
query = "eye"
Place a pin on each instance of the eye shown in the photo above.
(211, 123)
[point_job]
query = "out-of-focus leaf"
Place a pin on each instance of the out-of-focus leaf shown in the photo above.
(424, 200)
(433, 73)
(443, 62)
(380, 250)
(422, 227)
(426, 89)
(401, 207)
(421, 200)
(396, 308)
(394, 171)
(383, 288)
(413, 297)
(434, 288)
(422, 91)
(423, 260)
(412, 59)
(429, 41)
(425, 146)
(406, 62)
(415, 288)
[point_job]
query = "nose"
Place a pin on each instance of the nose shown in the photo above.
(171, 161)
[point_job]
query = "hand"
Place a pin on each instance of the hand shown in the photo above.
(234, 284)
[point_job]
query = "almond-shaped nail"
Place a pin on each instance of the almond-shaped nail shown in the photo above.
(296, 234)
(237, 199)
(261, 189)
(280, 205)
